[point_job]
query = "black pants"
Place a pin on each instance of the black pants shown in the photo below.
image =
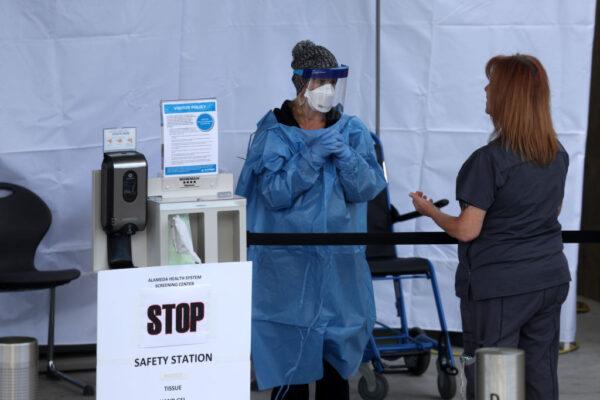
(529, 321)
(331, 387)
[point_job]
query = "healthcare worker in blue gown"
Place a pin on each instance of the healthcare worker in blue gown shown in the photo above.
(310, 169)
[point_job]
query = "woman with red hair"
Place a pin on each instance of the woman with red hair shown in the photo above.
(512, 276)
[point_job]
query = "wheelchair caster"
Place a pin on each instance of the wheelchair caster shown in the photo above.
(379, 392)
(446, 385)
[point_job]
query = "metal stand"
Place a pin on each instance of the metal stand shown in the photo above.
(51, 371)
(218, 228)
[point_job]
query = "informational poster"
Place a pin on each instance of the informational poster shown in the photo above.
(175, 332)
(190, 137)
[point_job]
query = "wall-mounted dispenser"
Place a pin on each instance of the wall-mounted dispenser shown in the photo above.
(123, 210)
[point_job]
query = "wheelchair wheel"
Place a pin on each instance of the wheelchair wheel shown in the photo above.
(416, 332)
(446, 385)
(378, 393)
(417, 365)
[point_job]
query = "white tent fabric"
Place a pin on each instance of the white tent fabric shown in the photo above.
(71, 68)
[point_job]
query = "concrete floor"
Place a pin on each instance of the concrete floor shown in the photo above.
(579, 372)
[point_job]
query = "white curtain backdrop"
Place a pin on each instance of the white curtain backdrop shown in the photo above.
(71, 68)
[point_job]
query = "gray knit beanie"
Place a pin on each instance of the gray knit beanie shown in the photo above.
(306, 54)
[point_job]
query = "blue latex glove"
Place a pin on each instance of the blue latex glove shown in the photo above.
(326, 144)
(343, 152)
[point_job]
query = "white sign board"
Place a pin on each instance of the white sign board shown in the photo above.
(174, 333)
(119, 139)
(190, 137)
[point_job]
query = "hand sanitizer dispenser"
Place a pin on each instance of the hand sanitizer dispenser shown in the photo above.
(124, 190)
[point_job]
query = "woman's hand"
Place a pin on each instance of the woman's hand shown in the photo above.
(466, 227)
(422, 204)
(326, 144)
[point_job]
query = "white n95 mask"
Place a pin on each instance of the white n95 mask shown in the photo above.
(321, 98)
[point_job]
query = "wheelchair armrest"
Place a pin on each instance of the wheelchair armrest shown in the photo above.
(397, 217)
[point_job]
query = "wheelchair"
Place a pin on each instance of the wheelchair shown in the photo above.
(387, 345)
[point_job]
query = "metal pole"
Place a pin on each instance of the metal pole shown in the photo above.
(500, 374)
(50, 348)
(377, 66)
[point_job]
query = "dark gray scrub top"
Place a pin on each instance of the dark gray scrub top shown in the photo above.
(520, 246)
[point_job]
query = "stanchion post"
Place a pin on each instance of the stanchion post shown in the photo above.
(500, 374)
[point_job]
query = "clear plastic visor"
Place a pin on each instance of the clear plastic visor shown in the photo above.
(325, 88)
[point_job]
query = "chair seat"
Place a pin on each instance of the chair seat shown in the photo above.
(398, 266)
(36, 279)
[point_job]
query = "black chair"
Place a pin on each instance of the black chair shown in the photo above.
(24, 220)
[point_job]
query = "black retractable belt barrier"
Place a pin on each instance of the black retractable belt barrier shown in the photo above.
(581, 236)
(402, 238)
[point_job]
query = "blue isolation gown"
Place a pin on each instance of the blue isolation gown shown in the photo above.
(309, 303)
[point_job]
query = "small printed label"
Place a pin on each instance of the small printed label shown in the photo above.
(119, 139)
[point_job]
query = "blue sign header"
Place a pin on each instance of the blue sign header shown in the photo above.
(189, 107)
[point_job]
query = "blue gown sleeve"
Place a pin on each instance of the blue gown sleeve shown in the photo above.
(285, 173)
(361, 175)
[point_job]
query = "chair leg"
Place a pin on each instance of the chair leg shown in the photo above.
(51, 371)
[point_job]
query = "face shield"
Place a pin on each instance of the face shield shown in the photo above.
(325, 88)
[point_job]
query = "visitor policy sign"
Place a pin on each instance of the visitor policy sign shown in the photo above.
(174, 332)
